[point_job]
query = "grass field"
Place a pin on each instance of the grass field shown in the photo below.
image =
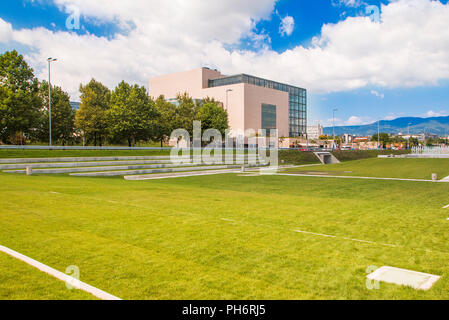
(224, 236)
(389, 167)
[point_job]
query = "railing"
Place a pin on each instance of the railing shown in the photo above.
(431, 150)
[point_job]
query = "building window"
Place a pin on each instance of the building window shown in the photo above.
(268, 116)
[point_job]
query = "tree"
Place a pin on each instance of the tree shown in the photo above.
(62, 115)
(91, 118)
(213, 116)
(132, 114)
(186, 113)
(384, 138)
(413, 142)
(19, 100)
(166, 119)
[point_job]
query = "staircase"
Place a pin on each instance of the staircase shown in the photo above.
(114, 166)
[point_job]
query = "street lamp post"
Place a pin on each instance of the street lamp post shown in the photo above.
(227, 91)
(50, 60)
(408, 133)
(378, 135)
(333, 128)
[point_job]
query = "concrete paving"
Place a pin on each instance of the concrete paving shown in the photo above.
(403, 277)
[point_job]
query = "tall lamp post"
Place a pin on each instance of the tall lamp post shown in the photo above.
(408, 133)
(227, 91)
(378, 135)
(50, 60)
(333, 128)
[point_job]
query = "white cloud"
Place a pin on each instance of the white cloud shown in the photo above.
(408, 48)
(5, 31)
(377, 94)
(357, 121)
(347, 3)
(393, 115)
(287, 26)
(432, 113)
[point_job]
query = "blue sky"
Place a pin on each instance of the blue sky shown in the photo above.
(277, 27)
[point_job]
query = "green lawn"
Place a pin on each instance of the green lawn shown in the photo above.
(19, 281)
(172, 239)
(387, 168)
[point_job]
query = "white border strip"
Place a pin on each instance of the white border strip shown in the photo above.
(59, 275)
(354, 177)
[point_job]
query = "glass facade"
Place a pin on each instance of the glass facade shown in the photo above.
(297, 98)
(268, 116)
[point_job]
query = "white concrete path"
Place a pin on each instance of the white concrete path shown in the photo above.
(59, 275)
(179, 175)
(354, 177)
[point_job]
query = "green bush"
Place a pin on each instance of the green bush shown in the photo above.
(364, 154)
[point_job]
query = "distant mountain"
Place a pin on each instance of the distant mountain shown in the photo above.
(435, 125)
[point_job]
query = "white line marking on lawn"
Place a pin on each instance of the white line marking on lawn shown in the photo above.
(229, 220)
(445, 207)
(59, 275)
(315, 234)
(55, 192)
(350, 239)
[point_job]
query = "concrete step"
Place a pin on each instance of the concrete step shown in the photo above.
(101, 168)
(89, 161)
(78, 159)
(157, 176)
(35, 166)
(81, 164)
(137, 172)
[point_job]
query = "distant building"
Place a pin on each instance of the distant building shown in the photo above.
(361, 139)
(347, 138)
(251, 102)
(314, 132)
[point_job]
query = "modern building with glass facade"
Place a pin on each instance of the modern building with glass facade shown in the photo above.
(251, 102)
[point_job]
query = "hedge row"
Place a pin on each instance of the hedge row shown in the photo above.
(365, 154)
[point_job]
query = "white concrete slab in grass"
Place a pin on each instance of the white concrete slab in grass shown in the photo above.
(404, 277)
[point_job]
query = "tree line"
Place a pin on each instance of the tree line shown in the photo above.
(125, 115)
